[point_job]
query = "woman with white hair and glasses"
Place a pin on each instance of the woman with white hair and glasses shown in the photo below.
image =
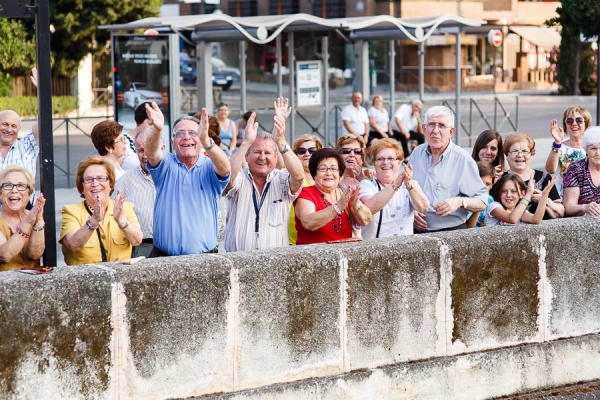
(582, 180)
(22, 240)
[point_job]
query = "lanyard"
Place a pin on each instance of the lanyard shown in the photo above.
(258, 206)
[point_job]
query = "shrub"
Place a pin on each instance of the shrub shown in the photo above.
(27, 106)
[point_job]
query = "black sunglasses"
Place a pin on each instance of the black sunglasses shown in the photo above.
(571, 120)
(303, 150)
(346, 150)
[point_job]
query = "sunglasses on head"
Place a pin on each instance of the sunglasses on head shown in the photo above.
(571, 120)
(304, 150)
(346, 150)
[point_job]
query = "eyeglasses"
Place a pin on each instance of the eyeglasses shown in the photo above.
(90, 179)
(515, 152)
(6, 125)
(304, 150)
(180, 134)
(440, 126)
(388, 159)
(348, 150)
(570, 120)
(122, 140)
(21, 187)
(324, 169)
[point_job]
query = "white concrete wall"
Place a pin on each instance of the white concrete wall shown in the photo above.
(481, 313)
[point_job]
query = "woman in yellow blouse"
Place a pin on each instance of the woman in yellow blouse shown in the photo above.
(98, 229)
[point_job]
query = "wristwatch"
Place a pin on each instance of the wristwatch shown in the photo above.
(464, 202)
(285, 149)
(212, 144)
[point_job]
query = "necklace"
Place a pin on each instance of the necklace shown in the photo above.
(336, 223)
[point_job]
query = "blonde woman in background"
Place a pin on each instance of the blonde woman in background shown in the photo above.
(304, 147)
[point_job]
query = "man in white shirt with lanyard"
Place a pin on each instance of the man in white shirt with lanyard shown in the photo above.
(260, 196)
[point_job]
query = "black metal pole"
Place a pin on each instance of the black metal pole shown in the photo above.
(598, 82)
(42, 24)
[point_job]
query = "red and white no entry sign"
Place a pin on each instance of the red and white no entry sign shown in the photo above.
(495, 37)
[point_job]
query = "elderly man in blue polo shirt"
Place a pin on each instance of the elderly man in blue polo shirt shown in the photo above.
(188, 186)
(447, 174)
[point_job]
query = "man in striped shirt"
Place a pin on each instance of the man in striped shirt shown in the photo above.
(260, 196)
(14, 151)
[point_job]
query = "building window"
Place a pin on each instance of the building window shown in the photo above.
(280, 7)
(242, 8)
(329, 8)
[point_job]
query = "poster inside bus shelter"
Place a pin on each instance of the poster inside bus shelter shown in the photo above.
(140, 74)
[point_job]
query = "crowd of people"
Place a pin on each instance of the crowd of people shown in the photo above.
(140, 200)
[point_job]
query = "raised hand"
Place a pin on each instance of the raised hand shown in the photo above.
(354, 196)
(279, 131)
(156, 117)
(497, 172)
(38, 209)
(118, 208)
(408, 172)
(281, 107)
(530, 187)
(251, 129)
(99, 211)
(343, 200)
(557, 131)
(203, 129)
(549, 187)
(34, 77)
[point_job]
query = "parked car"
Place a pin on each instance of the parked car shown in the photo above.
(137, 93)
(220, 77)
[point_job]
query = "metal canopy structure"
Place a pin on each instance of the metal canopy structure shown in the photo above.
(265, 29)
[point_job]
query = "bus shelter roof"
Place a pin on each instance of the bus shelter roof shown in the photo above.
(263, 29)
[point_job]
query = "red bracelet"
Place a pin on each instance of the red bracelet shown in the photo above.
(20, 232)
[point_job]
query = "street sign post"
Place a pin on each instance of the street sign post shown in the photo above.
(495, 37)
(308, 75)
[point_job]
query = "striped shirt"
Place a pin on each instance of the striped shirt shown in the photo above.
(138, 188)
(24, 153)
(274, 213)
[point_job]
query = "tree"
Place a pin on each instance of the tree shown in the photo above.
(17, 52)
(76, 27)
(576, 60)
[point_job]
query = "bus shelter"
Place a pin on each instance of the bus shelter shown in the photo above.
(206, 29)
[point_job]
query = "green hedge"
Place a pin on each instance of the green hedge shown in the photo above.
(27, 106)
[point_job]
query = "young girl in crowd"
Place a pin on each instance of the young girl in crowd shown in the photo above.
(487, 174)
(512, 199)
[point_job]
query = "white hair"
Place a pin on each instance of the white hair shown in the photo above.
(440, 111)
(417, 102)
(591, 136)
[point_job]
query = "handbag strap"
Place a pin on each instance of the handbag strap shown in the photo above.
(380, 212)
(102, 249)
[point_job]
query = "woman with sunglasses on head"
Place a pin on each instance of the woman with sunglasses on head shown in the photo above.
(110, 143)
(519, 148)
(393, 197)
(352, 148)
(324, 212)
(98, 229)
(564, 152)
(22, 241)
(304, 147)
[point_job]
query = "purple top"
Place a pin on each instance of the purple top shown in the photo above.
(578, 175)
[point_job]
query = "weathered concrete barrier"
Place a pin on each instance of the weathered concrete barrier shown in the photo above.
(473, 314)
